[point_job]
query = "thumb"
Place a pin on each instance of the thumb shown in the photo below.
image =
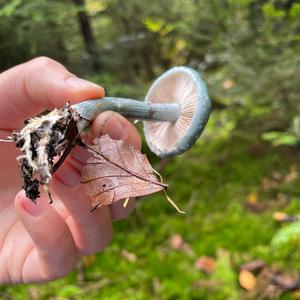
(40, 84)
(55, 252)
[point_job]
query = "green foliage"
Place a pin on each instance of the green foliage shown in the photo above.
(248, 53)
(295, 10)
(280, 138)
(270, 11)
(9, 9)
(286, 242)
(69, 291)
(289, 138)
(31, 28)
(158, 26)
(211, 184)
(226, 276)
(253, 43)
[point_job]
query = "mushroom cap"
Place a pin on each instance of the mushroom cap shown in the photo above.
(184, 86)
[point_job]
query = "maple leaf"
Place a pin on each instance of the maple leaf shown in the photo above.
(117, 171)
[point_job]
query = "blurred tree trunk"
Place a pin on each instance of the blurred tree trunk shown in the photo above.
(132, 26)
(87, 33)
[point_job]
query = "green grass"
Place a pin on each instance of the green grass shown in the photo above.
(211, 183)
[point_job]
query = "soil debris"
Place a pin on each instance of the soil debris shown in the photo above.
(41, 140)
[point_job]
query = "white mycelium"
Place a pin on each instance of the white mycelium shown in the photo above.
(36, 123)
(40, 140)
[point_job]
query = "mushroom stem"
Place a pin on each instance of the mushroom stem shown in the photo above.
(163, 112)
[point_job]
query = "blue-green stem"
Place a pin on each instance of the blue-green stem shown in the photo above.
(134, 109)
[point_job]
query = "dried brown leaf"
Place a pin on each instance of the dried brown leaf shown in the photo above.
(117, 171)
(205, 264)
(252, 198)
(176, 242)
(253, 266)
(286, 282)
(277, 176)
(247, 280)
(252, 203)
(283, 217)
(269, 184)
(228, 84)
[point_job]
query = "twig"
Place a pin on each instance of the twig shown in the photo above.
(80, 272)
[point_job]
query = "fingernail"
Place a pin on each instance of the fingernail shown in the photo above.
(79, 83)
(36, 208)
(112, 125)
(81, 155)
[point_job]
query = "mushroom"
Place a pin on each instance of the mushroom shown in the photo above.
(175, 111)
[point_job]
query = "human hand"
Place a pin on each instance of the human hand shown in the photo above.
(42, 241)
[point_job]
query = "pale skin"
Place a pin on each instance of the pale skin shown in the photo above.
(41, 242)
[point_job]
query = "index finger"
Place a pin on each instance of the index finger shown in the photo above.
(39, 84)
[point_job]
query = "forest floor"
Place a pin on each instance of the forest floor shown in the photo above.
(241, 199)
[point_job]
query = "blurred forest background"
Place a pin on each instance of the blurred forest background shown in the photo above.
(239, 186)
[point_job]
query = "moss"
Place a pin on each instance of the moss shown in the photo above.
(211, 183)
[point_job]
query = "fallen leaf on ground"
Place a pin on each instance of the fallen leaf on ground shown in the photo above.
(269, 184)
(286, 282)
(270, 292)
(117, 171)
(271, 283)
(277, 176)
(176, 241)
(283, 217)
(205, 264)
(253, 204)
(228, 84)
(252, 198)
(247, 280)
(253, 266)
